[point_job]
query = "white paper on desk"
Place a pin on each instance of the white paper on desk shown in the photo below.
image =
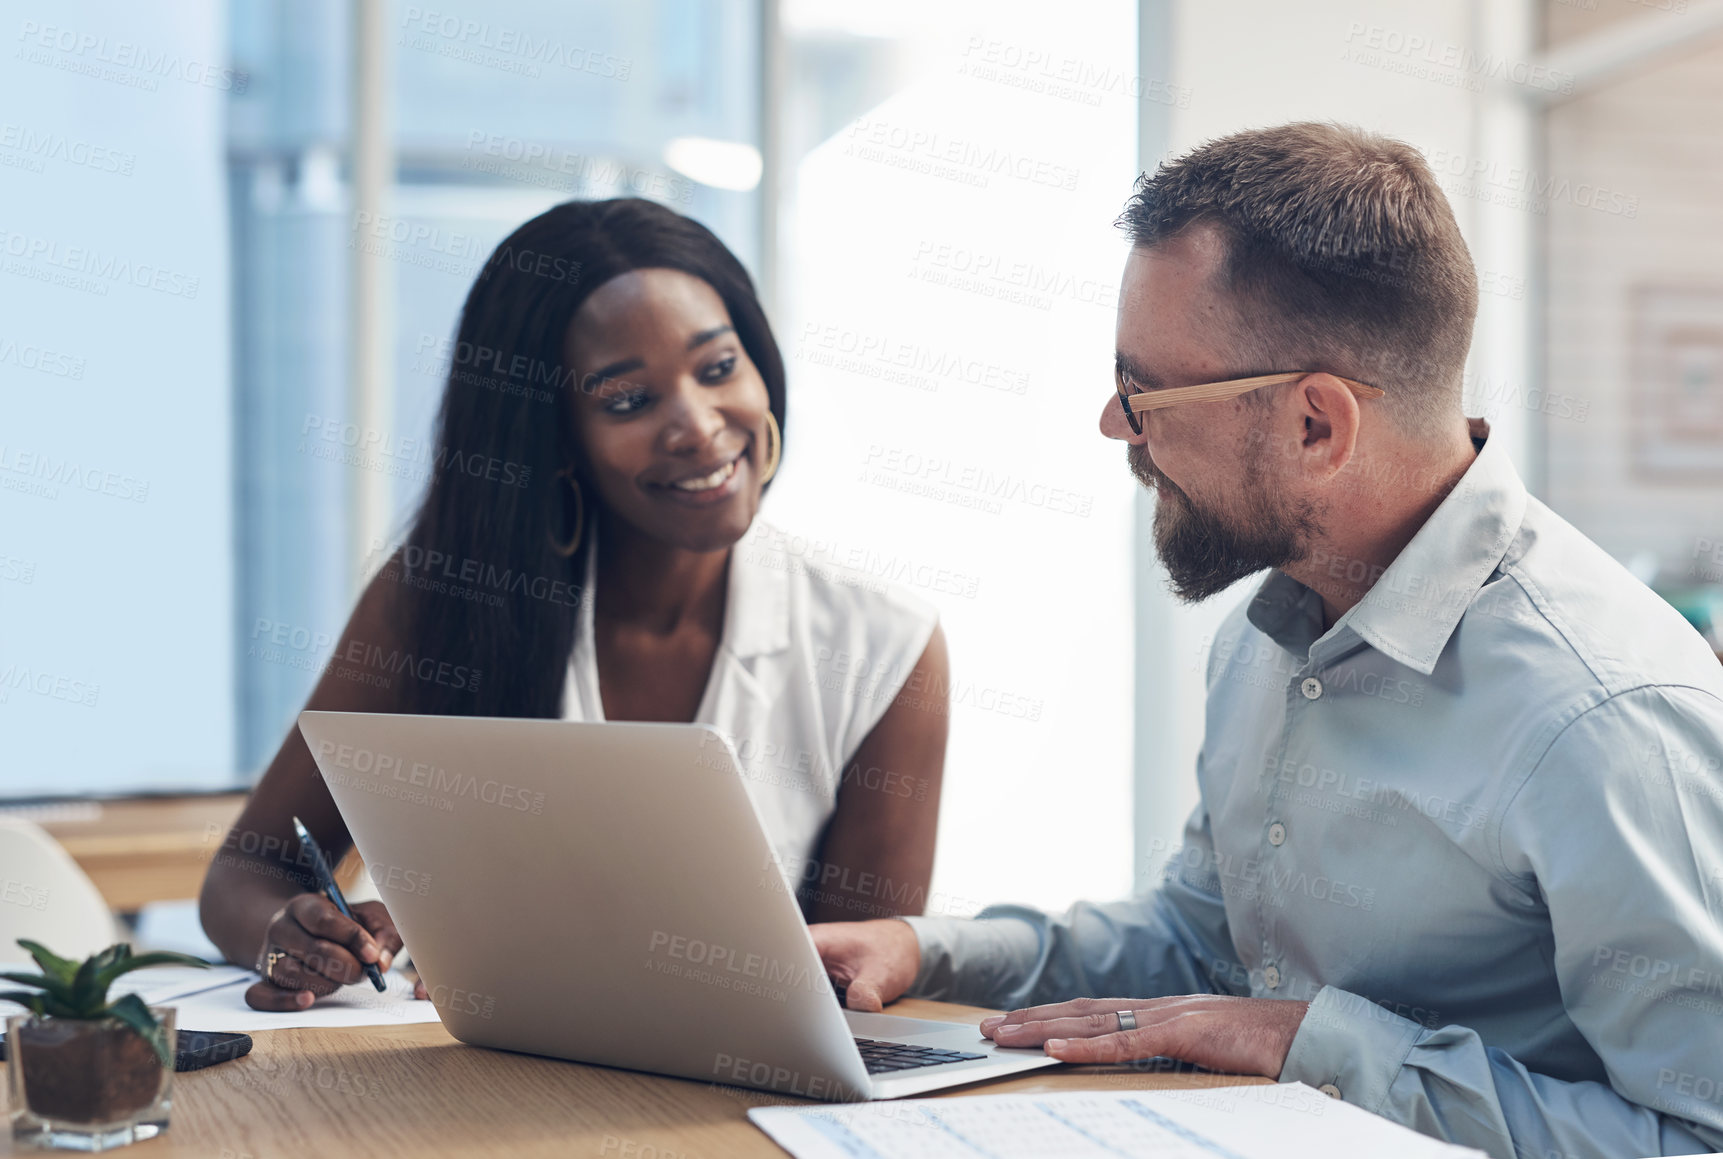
(156, 985)
(162, 985)
(214, 999)
(357, 1005)
(1279, 1121)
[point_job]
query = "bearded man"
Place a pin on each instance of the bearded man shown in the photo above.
(1456, 857)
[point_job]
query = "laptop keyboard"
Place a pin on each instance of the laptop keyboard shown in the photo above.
(882, 1057)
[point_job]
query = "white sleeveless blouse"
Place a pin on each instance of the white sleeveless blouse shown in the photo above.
(809, 659)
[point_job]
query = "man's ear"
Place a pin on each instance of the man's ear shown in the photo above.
(1328, 413)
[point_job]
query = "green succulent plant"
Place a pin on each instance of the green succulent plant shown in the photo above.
(68, 989)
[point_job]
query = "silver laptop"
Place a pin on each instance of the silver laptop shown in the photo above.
(606, 893)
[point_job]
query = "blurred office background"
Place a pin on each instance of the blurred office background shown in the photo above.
(925, 194)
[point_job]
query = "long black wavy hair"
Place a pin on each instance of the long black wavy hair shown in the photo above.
(482, 586)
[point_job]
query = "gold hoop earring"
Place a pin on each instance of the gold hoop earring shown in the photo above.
(566, 549)
(774, 448)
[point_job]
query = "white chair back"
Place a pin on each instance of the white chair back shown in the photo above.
(47, 897)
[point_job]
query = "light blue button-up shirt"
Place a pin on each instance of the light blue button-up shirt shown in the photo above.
(1477, 823)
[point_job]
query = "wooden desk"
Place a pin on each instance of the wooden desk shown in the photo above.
(412, 1092)
(146, 849)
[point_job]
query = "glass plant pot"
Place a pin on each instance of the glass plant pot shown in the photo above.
(86, 1085)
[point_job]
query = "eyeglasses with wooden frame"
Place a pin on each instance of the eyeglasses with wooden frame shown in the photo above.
(1134, 400)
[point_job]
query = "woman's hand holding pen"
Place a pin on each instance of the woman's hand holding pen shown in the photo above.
(317, 951)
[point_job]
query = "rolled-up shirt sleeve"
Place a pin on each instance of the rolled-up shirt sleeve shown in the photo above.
(1618, 830)
(1170, 940)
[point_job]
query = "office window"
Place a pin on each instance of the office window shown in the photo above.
(500, 111)
(950, 272)
(116, 477)
(176, 559)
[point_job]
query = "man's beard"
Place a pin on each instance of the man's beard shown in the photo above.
(1206, 553)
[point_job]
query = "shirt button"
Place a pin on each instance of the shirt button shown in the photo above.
(1277, 834)
(1330, 1090)
(1311, 687)
(1271, 977)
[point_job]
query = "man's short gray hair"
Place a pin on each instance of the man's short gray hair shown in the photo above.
(1342, 254)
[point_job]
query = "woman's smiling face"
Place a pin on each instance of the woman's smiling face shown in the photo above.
(670, 413)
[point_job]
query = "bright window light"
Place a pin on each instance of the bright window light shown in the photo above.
(720, 164)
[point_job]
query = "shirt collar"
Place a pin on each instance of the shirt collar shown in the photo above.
(1414, 606)
(757, 606)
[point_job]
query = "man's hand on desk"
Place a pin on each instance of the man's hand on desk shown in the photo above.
(875, 961)
(1233, 1035)
(321, 951)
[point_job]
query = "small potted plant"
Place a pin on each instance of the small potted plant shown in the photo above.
(85, 1073)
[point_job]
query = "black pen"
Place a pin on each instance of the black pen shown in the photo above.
(333, 892)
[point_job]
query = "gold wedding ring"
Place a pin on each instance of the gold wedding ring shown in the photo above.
(269, 964)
